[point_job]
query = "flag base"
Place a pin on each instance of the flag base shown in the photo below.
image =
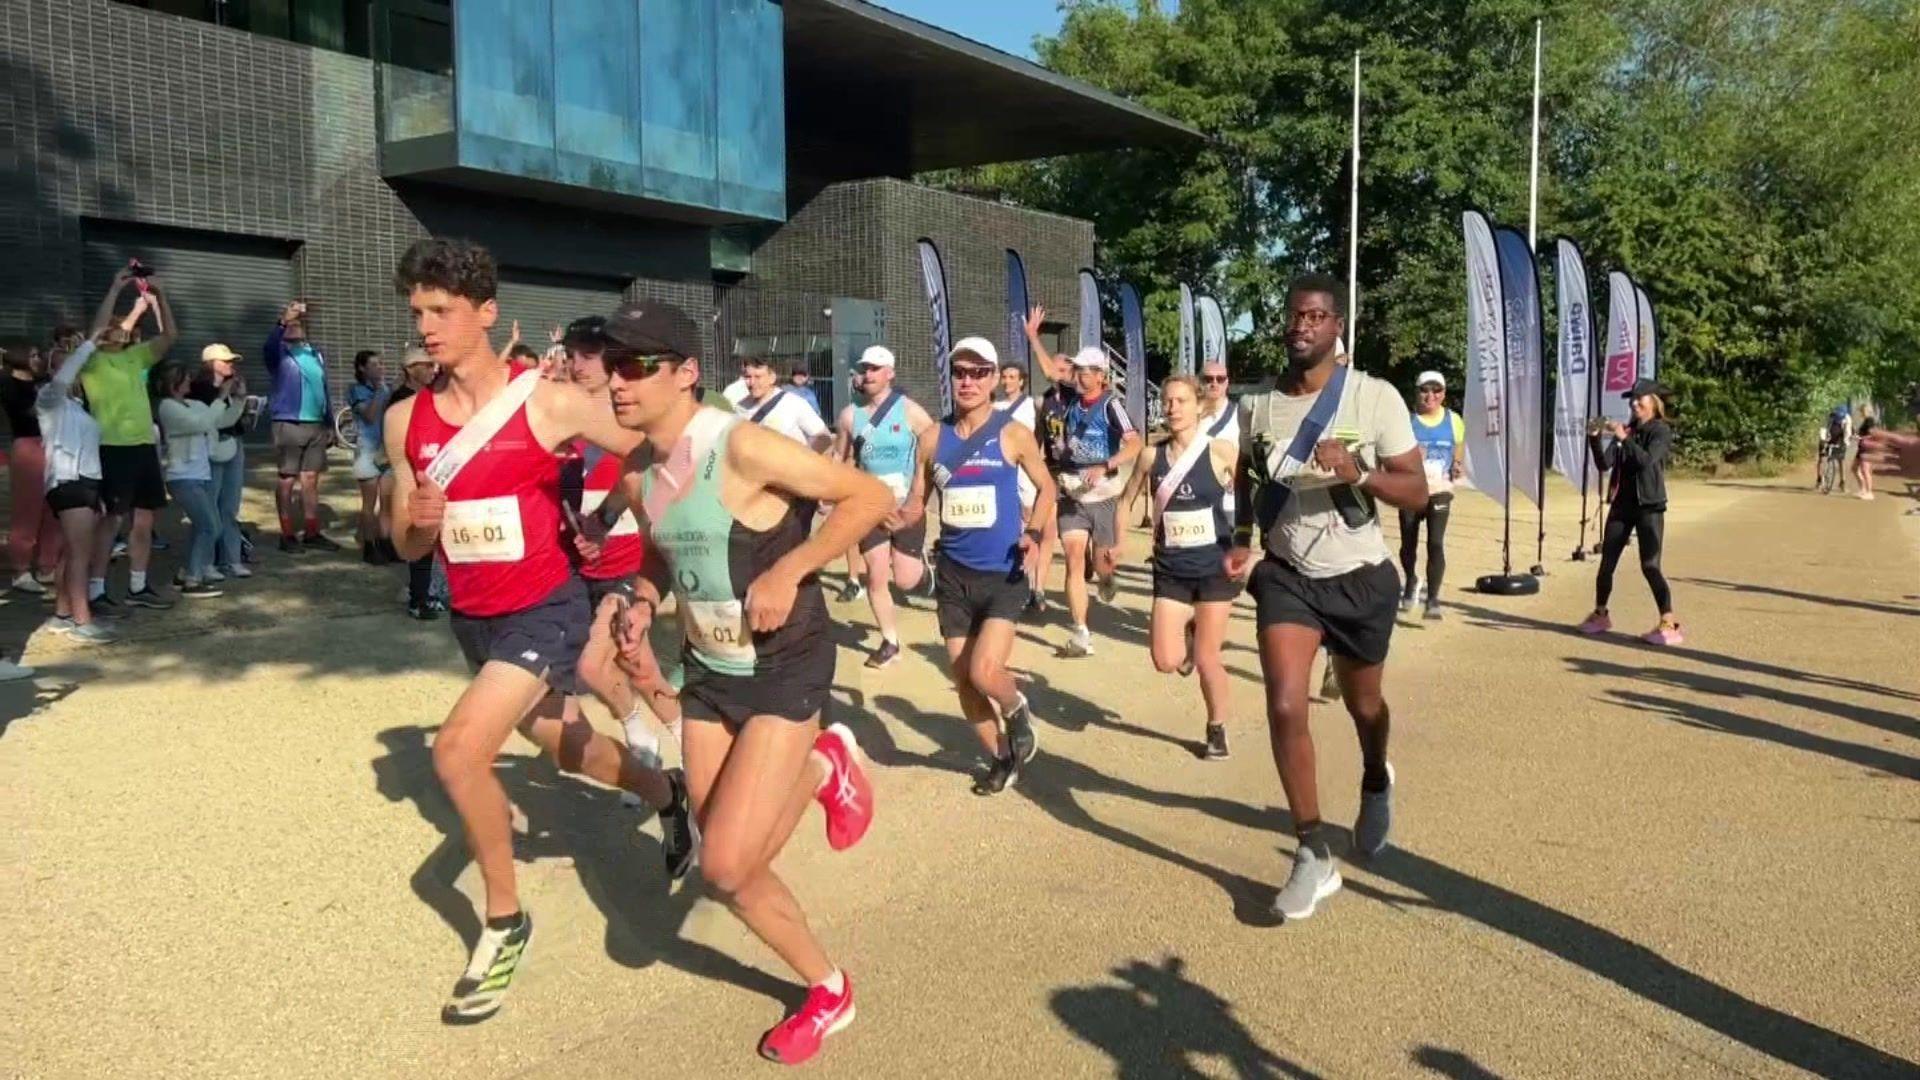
(1537, 570)
(1508, 585)
(1579, 554)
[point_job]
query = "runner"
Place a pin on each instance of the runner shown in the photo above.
(482, 486)
(1315, 454)
(614, 561)
(1014, 398)
(982, 548)
(1443, 447)
(779, 408)
(1051, 415)
(881, 437)
(728, 507)
(1093, 442)
(1190, 477)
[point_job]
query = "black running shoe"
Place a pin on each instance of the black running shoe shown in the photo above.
(368, 556)
(678, 841)
(483, 987)
(1022, 742)
(106, 607)
(290, 544)
(391, 553)
(148, 598)
(998, 777)
(201, 590)
(852, 591)
(318, 540)
(1217, 742)
(886, 654)
(423, 612)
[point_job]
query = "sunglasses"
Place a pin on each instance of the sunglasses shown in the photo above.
(1432, 390)
(633, 367)
(1213, 379)
(970, 373)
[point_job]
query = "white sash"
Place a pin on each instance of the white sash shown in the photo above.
(480, 430)
(1177, 472)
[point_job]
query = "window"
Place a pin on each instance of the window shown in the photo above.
(339, 25)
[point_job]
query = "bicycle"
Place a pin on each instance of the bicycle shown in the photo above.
(1830, 460)
(345, 432)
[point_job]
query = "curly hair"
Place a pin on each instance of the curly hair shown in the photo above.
(461, 267)
(1334, 289)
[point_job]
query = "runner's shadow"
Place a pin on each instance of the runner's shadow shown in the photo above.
(956, 752)
(1452, 1064)
(1071, 712)
(1811, 598)
(1502, 620)
(1160, 1022)
(1711, 719)
(1714, 686)
(51, 684)
(1631, 966)
(567, 818)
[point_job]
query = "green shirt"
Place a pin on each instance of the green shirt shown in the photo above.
(116, 385)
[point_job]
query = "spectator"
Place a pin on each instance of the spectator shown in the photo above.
(301, 407)
(71, 487)
(419, 371)
(189, 426)
(219, 379)
(34, 529)
(800, 384)
(368, 400)
(130, 479)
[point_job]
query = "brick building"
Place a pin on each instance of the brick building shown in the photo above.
(749, 160)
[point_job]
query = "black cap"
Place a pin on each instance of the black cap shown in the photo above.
(1644, 387)
(588, 331)
(648, 326)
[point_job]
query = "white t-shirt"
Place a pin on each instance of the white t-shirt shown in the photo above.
(1310, 533)
(791, 416)
(1024, 412)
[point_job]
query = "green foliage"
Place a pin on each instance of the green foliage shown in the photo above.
(1751, 162)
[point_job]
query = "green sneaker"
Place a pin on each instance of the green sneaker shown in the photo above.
(480, 991)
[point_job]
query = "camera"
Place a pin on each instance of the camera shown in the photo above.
(1595, 425)
(138, 269)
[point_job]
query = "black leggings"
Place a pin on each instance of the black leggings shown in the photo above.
(419, 580)
(1435, 515)
(1648, 527)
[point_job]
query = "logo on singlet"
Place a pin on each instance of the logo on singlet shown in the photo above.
(689, 580)
(430, 451)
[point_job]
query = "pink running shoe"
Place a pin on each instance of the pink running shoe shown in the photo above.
(1667, 633)
(1597, 623)
(798, 1037)
(846, 794)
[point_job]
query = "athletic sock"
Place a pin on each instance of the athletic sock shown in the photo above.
(96, 588)
(642, 743)
(136, 580)
(505, 922)
(1312, 835)
(835, 983)
(286, 526)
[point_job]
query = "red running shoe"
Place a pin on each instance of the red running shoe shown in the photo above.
(847, 794)
(798, 1037)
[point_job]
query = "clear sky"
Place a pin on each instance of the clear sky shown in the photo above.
(1009, 25)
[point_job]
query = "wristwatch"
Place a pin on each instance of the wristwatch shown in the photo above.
(1360, 483)
(1034, 535)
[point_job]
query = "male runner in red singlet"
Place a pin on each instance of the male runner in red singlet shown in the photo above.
(481, 482)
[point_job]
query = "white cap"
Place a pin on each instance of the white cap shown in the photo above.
(979, 347)
(1093, 356)
(1431, 377)
(877, 356)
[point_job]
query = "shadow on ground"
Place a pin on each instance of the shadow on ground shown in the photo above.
(1156, 1023)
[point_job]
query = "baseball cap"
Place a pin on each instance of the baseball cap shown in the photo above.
(648, 326)
(587, 331)
(1643, 387)
(979, 347)
(217, 351)
(1093, 356)
(1431, 378)
(877, 356)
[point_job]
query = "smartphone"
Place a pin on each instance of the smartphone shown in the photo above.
(573, 518)
(620, 621)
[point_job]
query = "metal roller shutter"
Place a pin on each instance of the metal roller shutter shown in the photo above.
(542, 301)
(222, 288)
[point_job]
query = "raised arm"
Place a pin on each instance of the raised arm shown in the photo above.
(561, 412)
(163, 314)
(103, 315)
(1056, 368)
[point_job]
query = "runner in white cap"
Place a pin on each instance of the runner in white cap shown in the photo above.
(1095, 444)
(881, 435)
(1443, 445)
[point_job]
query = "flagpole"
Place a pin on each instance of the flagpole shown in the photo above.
(1533, 218)
(1353, 221)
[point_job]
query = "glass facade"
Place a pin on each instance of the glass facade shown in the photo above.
(340, 25)
(678, 101)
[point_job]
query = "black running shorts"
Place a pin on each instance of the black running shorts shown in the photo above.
(130, 479)
(544, 640)
(1354, 611)
(81, 494)
(1214, 588)
(967, 597)
(908, 541)
(599, 589)
(795, 688)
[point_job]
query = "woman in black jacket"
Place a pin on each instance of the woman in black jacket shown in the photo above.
(1637, 455)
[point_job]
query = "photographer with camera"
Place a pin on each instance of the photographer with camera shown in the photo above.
(116, 386)
(217, 383)
(301, 408)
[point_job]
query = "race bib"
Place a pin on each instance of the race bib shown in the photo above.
(898, 484)
(483, 530)
(590, 502)
(971, 507)
(1187, 528)
(718, 628)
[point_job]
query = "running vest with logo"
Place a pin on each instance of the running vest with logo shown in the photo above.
(980, 505)
(714, 558)
(887, 449)
(501, 533)
(1191, 537)
(1437, 442)
(624, 550)
(1092, 434)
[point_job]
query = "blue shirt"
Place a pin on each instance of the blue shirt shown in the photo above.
(313, 381)
(371, 433)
